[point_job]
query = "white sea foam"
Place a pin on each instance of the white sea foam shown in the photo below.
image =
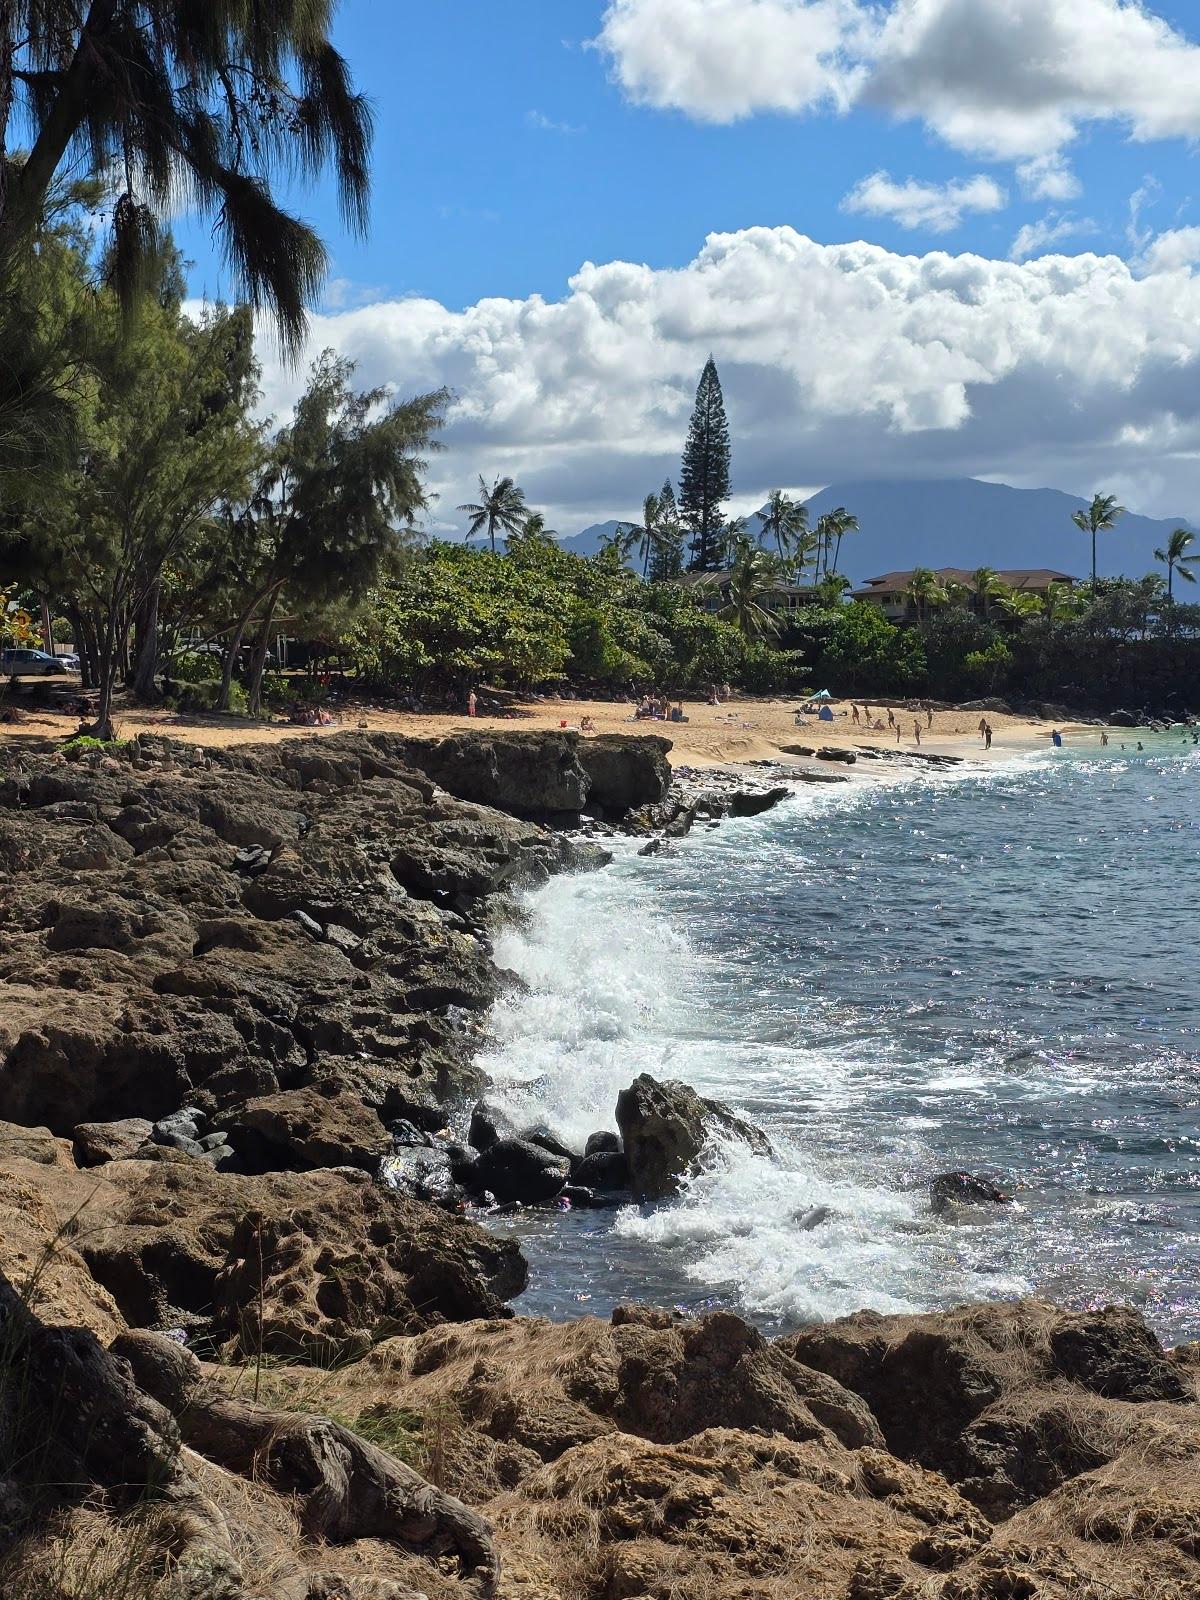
(613, 988)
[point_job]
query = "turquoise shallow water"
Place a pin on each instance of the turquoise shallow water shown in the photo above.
(992, 969)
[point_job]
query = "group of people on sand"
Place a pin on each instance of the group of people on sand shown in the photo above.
(866, 718)
(657, 708)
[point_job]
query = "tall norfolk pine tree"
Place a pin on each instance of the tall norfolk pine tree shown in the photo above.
(704, 474)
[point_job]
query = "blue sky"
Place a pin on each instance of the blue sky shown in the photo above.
(855, 159)
(507, 155)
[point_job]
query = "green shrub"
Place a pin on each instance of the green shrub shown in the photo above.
(195, 666)
(204, 696)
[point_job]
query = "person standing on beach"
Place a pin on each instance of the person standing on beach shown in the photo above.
(854, 709)
(983, 727)
(897, 731)
(917, 731)
(928, 717)
(1103, 738)
(471, 703)
(987, 736)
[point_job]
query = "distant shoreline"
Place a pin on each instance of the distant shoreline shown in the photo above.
(746, 729)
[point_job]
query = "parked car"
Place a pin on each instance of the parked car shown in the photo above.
(30, 664)
(69, 659)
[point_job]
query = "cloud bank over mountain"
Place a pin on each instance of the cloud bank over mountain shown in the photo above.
(838, 361)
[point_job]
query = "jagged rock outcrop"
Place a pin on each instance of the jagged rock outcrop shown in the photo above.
(668, 1129)
(624, 774)
(82, 1419)
(1006, 1401)
(313, 1266)
(265, 919)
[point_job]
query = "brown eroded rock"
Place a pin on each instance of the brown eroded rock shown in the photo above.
(95, 1143)
(300, 1129)
(41, 1213)
(1008, 1401)
(329, 1261)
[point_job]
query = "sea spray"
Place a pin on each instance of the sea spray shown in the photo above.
(894, 979)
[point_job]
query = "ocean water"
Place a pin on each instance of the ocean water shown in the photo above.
(994, 969)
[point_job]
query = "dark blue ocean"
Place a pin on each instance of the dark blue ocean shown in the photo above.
(993, 969)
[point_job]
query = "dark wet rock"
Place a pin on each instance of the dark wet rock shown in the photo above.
(624, 773)
(668, 1129)
(964, 1189)
(753, 802)
(404, 1133)
(516, 1171)
(488, 1124)
(603, 1170)
(832, 752)
(1122, 719)
(428, 1173)
(529, 774)
(98, 1142)
(603, 1142)
(542, 1136)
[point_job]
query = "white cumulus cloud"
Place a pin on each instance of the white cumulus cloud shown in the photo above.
(838, 361)
(719, 60)
(1035, 238)
(1048, 178)
(937, 206)
(1175, 250)
(1010, 79)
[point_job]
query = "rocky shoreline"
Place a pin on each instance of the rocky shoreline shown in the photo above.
(238, 986)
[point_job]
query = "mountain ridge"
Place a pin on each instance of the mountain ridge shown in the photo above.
(966, 522)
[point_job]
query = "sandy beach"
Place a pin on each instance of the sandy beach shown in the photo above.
(741, 730)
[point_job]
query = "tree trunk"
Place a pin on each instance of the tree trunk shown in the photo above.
(258, 660)
(85, 644)
(146, 635)
(103, 727)
(47, 619)
(231, 654)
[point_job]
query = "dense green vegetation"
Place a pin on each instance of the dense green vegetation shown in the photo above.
(173, 537)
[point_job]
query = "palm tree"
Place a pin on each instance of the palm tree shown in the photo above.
(1019, 605)
(753, 574)
(832, 588)
(1177, 559)
(1100, 517)
(646, 534)
(824, 539)
(616, 547)
(502, 506)
(988, 585)
(786, 522)
(842, 523)
(1061, 600)
(162, 100)
(924, 591)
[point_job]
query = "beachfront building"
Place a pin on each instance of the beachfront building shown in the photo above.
(890, 592)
